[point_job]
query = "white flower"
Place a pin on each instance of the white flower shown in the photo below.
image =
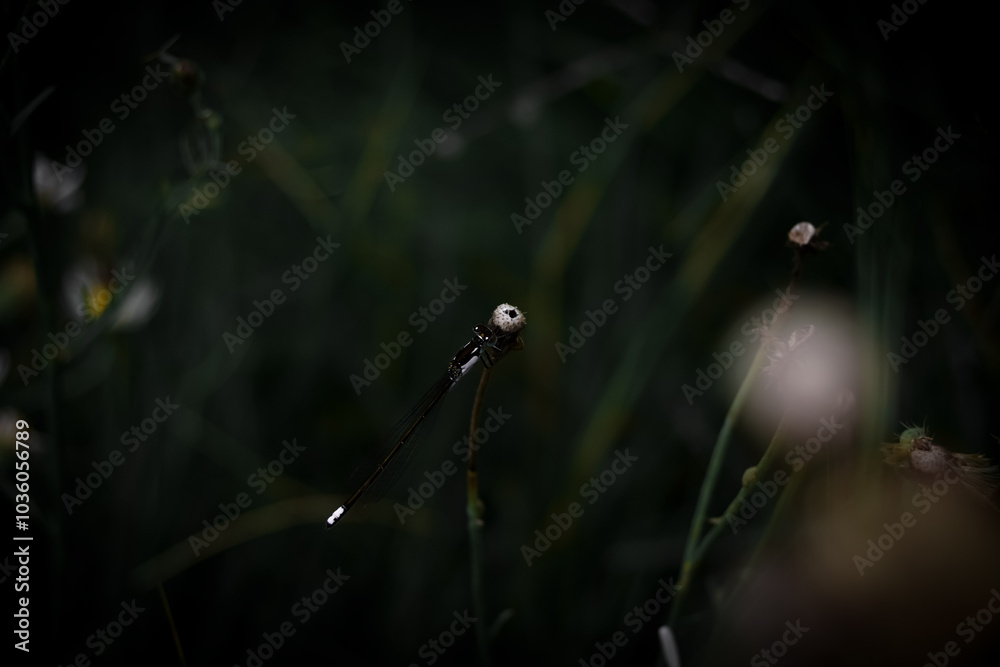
(86, 295)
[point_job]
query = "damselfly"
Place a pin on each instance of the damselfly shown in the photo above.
(489, 343)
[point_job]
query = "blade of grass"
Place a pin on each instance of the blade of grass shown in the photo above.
(173, 627)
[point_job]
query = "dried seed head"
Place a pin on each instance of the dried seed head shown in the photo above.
(928, 458)
(803, 236)
(802, 233)
(917, 455)
(507, 318)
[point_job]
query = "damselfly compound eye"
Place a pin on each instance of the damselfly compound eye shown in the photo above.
(484, 333)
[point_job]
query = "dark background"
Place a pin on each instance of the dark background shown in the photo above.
(655, 185)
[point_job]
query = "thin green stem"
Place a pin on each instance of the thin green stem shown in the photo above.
(474, 509)
(708, 484)
(173, 627)
(692, 550)
(761, 471)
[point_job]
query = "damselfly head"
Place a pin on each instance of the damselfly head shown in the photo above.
(484, 334)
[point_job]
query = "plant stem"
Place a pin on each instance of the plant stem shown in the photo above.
(173, 627)
(693, 551)
(761, 471)
(474, 511)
